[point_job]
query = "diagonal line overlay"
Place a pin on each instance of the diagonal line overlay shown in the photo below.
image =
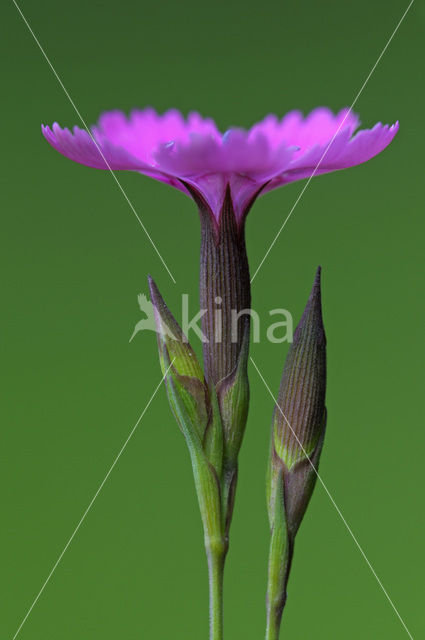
(112, 172)
(64, 550)
(317, 167)
(347, 526)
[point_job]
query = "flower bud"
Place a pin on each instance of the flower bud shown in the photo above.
(298, 431)
(298, 416)
(189, 399)
(185, 377)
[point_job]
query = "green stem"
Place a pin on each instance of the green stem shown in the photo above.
(280, 554)
(281, 551)
(216, 557)
(272, 631)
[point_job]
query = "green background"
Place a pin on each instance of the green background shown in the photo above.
(74, 259)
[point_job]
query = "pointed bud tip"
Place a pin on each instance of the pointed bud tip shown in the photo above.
(166, 324)
(173, 344)
(298, 418)
(315, 299)
(316, 290)
(312, 314)
(153, 289)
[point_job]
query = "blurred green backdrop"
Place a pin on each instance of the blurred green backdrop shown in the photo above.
(74, 259)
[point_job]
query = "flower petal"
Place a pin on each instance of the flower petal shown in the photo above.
(144, 131)
(316, 128)
(340, 152)
(81, 147)
(191, 150)
(242, 159)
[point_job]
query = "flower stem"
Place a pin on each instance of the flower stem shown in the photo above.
(276, 589)
(280, 559)
(272, 631)
(216, 557)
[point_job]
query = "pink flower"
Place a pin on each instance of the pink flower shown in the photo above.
(193, 155)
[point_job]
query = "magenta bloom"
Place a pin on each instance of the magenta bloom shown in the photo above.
(224, 173)
(193, 153)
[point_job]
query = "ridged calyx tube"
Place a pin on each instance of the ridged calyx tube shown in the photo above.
(298, 431)
(225, 299)
(212, 410)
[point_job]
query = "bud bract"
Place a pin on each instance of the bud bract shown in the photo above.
(298, 431)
